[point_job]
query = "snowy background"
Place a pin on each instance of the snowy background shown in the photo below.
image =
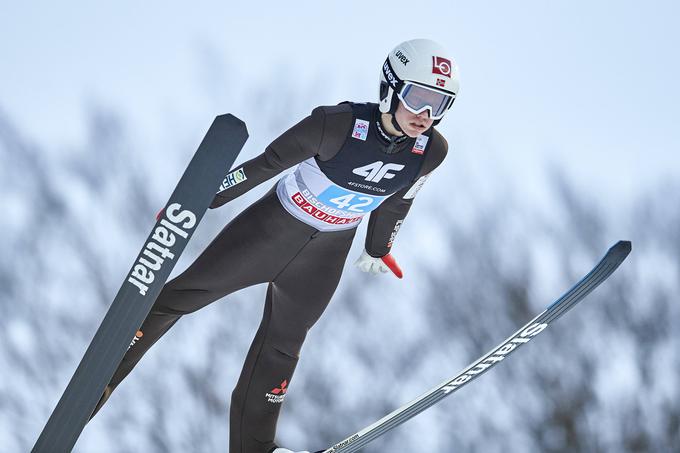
(564, 140)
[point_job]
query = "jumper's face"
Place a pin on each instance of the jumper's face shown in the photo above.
(412, 124)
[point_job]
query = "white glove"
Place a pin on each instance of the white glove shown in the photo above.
(372, 265)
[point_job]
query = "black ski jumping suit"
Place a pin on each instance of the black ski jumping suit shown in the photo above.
(295, 239)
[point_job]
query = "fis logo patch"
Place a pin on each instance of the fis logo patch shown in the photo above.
(420, 145)
(360, 129)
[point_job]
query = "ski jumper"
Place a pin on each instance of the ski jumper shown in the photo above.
(296, 239)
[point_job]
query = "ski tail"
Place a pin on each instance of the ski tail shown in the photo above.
(174, 227)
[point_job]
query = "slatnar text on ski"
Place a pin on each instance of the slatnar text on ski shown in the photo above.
(157, 249)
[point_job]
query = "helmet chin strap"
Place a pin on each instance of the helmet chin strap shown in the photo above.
(394, 105)
(395, 124)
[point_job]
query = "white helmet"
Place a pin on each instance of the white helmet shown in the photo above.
(422, 75)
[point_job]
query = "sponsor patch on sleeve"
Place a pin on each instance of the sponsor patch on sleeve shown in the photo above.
(233, 178)
(397, 226)
(416, 187)
(360, 129)
(420, 145)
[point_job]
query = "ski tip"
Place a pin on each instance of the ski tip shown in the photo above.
(621, 249)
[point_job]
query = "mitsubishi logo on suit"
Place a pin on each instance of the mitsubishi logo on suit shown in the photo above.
(377, 170)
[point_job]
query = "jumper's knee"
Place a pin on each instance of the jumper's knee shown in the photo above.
(179, 302)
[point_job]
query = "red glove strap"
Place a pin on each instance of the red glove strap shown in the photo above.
(392, 264)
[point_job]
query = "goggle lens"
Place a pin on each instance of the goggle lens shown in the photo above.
(417, 99)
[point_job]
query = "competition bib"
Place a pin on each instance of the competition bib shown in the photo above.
(311, 197)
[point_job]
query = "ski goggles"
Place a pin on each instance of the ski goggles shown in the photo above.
(417, 99)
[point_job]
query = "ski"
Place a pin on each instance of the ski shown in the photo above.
(174, 226)
(611, 261)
